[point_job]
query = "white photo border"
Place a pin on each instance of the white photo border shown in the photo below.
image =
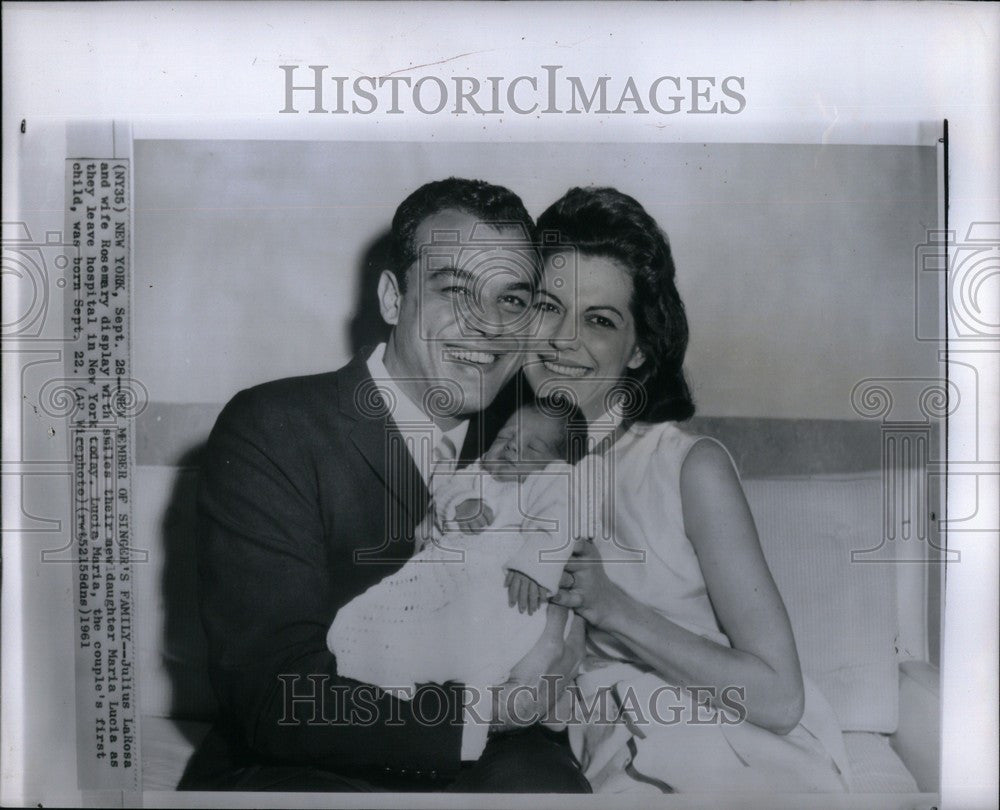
(814, 73)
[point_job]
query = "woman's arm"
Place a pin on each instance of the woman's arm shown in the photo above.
(763, 659)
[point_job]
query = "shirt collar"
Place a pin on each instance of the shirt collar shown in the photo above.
(404, 411)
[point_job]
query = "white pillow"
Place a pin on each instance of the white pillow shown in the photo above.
(843, 613)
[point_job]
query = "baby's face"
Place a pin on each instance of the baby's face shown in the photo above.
(527, 442)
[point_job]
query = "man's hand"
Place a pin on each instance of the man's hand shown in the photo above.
(524, 592)
(540, 678)
(423, 533)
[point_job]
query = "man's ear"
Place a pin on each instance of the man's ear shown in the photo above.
(637, 359)
(389, 297)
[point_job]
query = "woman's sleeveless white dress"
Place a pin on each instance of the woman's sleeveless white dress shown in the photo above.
(661, 741)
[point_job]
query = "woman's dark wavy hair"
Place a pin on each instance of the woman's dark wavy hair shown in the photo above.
(607, 223)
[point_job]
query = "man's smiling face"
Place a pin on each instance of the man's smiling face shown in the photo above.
(462, 322)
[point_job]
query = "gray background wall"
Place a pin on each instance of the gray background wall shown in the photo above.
(796, 262)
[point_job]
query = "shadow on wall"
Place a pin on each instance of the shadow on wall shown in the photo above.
(185, 654)
(366, 327)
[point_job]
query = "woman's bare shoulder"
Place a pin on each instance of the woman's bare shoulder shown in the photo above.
(672, 447)
(706, 456)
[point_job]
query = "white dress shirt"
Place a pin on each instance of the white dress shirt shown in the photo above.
(426, 443)
(422, 435)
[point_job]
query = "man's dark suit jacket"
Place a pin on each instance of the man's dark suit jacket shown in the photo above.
(299, 479)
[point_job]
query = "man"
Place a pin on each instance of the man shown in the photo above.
(312, 490)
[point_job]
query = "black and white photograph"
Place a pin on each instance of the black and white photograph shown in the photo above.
(749, 550)
(367, 446)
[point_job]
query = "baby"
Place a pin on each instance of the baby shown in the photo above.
(504, 491)
(497, 536)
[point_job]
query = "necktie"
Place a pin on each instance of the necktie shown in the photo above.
(443, 459)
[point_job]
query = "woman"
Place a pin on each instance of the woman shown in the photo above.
(693, 603)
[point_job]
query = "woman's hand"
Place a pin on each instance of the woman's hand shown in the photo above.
(586, 589)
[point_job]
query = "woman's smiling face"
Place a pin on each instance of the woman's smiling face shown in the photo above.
(586, 335)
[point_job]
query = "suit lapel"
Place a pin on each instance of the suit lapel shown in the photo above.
(380, 443)
(472, 447)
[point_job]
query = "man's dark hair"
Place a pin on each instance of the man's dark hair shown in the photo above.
(607, 223)
(494, 205)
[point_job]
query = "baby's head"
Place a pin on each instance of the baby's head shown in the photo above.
(528, 441)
